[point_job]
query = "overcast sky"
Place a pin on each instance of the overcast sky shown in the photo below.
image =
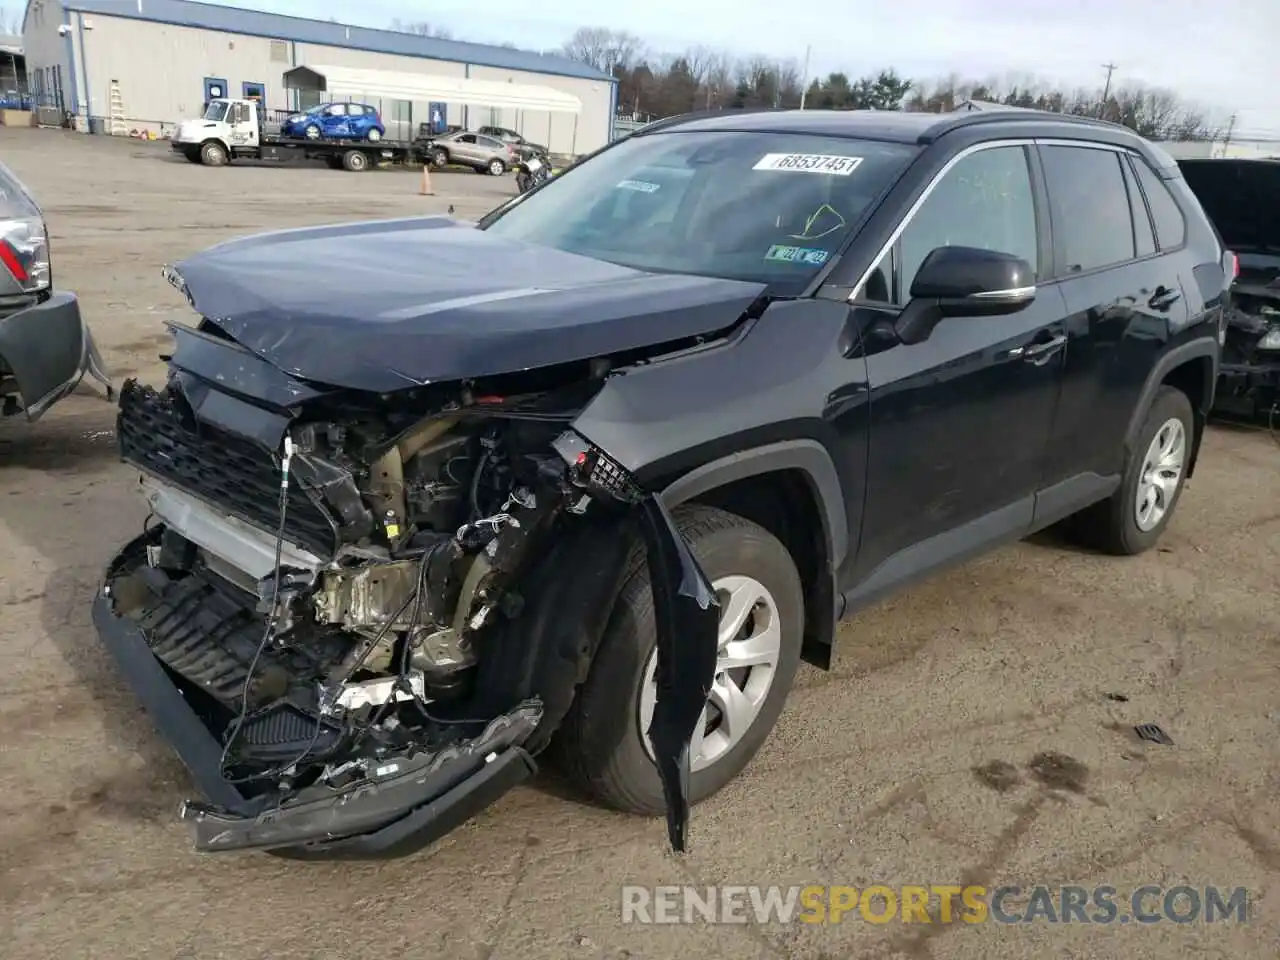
(1221, 54)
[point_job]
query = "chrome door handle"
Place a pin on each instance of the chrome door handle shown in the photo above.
(1035, 351)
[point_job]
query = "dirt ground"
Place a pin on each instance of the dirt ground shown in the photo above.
(908, 764)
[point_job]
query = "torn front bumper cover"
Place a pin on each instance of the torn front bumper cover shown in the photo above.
(45, 351)
(413, 801)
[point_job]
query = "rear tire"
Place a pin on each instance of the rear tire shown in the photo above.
(374, 135)
(496, 168)
(601, 745)
(355, 161)
(1119, 525)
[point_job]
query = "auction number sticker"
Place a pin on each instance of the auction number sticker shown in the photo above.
(830, 164)
(640, 186)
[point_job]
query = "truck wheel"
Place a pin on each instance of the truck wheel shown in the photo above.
(355, 161)
(1134, 517)
(440, 158)
(213, 154)
(602, 744)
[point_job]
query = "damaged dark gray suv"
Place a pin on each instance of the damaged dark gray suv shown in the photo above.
(592, 476)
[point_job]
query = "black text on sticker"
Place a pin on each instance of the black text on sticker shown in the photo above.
(809, 163)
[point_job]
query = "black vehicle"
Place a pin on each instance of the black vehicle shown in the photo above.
(45, 345)
(606, 473)
(1242, 198)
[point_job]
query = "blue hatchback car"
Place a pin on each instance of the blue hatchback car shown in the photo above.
(336, 121)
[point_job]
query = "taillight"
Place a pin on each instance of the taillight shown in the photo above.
(24, 252)
(1235, 266)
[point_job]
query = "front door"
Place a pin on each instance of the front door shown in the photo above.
(214, 88)
(959, 422)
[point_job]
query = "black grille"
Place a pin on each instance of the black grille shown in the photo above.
(223, 469)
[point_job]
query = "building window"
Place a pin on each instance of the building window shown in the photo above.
(279, 51)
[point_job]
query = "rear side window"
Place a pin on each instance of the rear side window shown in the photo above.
(1171, 228)
(1143, 236)
(1092, 224)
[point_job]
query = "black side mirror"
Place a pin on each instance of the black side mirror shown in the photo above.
(964, 282)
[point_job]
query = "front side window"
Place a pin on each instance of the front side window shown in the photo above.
(983, 201)
(337, 110)
(216, 111)
(768, 207)
(1092, 225)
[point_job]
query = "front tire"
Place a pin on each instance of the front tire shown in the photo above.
(1133, 519)
(213, 154)
(440, 158)
(602, 744)
(312, 132)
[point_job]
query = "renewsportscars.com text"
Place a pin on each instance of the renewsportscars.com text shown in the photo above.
(938, 903)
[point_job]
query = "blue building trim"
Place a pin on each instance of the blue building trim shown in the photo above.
(254, 23)
(84, 65)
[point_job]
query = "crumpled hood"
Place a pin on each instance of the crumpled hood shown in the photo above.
(385, 305)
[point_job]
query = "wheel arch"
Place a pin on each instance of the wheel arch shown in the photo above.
(1191, 367)
(792, 489)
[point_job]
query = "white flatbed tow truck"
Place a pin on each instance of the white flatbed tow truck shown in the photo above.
(234, 129)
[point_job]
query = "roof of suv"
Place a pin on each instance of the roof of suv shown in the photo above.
(897, 126)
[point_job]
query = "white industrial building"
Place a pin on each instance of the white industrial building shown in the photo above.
(122, 65)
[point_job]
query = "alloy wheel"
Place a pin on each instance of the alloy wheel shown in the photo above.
(748, 653)
(1160, 475)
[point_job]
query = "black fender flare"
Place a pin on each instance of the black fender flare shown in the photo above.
(808, 456)
(1201, 347)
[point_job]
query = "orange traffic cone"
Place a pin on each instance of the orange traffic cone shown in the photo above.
(425, 190)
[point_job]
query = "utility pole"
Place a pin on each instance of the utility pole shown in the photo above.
(1226, 137)
(804, 82)
(1106, 88)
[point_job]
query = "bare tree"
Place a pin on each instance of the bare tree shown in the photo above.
(606, 50)
(421, 28)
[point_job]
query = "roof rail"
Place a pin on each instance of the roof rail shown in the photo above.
(974, 118)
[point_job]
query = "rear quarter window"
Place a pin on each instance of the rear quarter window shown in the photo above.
(1171, 227)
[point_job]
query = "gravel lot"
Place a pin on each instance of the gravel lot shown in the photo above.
(870, 777)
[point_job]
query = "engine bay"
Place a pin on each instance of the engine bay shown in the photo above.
(314, 664)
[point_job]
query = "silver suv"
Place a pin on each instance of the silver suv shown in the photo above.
(483, 154)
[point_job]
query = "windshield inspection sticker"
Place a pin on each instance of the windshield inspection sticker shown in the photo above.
(642, 186)
(831, 165)
(811, 256)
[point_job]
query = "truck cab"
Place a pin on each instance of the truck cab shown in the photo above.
(228, 127)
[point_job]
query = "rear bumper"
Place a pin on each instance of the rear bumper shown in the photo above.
(47, 349)
(418, 800)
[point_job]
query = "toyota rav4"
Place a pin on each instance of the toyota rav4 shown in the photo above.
(594, 475)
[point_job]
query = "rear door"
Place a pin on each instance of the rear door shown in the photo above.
(1124, 297)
